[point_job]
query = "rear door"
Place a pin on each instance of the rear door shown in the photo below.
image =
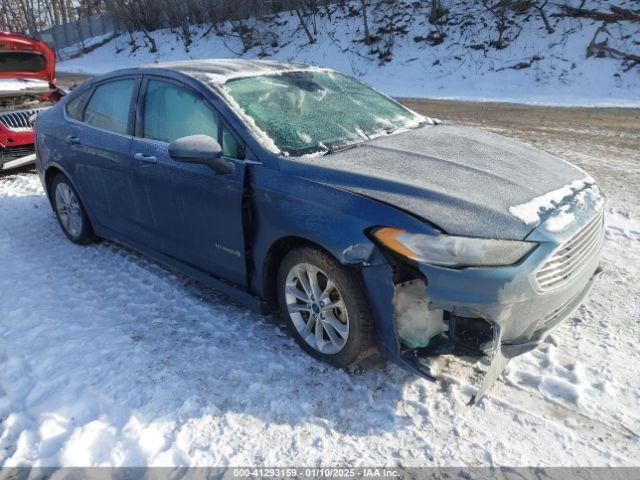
(103, 166)
(192, 213)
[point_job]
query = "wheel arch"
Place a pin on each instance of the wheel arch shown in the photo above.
(52, 172)
(272, 260)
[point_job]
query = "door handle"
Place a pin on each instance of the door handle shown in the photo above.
(143, 157)
(72, 140)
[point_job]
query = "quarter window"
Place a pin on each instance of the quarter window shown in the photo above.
(75, 106)
(109, 106)
(230, 146)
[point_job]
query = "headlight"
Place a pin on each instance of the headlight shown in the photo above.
(452, 251)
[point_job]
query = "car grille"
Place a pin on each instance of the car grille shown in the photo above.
(20, 120)
(562, 266)
(11, 153)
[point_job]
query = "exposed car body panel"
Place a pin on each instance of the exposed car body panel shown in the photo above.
(460, 178)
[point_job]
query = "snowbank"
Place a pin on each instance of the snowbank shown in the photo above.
(461, 67)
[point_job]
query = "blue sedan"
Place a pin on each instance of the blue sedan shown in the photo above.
(300, 190)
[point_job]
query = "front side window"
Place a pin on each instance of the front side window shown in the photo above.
(109, 106)
(172, 112)
(317, 111)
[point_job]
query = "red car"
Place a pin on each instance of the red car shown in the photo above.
(27, 86)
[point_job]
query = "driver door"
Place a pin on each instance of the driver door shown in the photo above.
(190, 212)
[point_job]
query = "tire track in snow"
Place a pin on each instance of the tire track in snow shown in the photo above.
(527, 399)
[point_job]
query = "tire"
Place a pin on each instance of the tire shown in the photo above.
(297, 309)
(71, 215)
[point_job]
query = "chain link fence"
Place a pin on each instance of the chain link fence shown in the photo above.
(79, 36)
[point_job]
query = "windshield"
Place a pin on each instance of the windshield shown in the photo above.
(311, 111)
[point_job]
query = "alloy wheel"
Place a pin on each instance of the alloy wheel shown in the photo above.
(317, 308)
(68, 209)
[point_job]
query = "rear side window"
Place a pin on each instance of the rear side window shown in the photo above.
(75, 106)
(172, 112)
(109, 106)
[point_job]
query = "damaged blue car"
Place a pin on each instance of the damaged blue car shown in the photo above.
(297, 189)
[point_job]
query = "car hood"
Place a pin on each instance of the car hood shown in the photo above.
(467, 181)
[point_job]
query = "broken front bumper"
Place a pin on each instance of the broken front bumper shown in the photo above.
(500, 312)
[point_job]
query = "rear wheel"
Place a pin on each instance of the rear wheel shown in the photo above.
(324, 306)
(70, 212)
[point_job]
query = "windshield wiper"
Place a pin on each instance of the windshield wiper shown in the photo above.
(429, 121)
(364, 131)
(341, 148)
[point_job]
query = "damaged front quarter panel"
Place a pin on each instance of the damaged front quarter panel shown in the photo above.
(404, 339)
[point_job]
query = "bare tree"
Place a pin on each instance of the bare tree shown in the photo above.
(137, 15)
(304, 25)
(540, 6)
(436, 11)
(365, 21)
(178, 14)
(500, 10)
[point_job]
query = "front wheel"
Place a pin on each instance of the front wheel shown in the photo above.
(325, 306)
(70, 212)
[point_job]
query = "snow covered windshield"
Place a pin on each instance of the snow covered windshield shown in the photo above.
(312, 111)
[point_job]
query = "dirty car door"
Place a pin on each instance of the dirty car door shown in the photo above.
(192, 213)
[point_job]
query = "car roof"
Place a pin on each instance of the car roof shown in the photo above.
(218, 71)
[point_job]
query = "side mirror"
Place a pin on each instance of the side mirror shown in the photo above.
(200, 149)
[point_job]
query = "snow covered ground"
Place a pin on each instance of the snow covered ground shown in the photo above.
(108, 359)
(460, 67)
